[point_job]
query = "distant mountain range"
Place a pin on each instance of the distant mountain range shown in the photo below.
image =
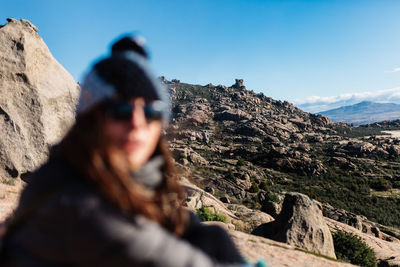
(364, 112)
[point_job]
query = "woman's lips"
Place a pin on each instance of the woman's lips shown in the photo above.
(133, 145)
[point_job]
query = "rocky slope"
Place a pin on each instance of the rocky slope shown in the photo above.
(386, 247)
(248, 149)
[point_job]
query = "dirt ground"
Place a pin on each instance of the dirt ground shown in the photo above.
(394, 134)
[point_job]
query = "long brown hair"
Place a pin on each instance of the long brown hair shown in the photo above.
(86, 149)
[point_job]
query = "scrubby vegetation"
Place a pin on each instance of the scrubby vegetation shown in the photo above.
(352, 249)
(258, 148)
(351, 193)
(362, 130)
(205, 214)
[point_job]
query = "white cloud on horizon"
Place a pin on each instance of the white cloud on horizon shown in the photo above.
(322, 103)
(394, 70)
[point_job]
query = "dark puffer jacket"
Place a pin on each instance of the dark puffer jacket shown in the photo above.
(74, 226)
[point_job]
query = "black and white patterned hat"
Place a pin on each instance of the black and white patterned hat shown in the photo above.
(125, 74)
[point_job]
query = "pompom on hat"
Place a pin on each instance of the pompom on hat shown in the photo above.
(125, 74)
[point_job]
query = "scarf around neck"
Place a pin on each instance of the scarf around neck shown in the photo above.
(150, 175)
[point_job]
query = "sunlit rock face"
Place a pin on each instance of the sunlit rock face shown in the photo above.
(301, 224)
(37, 100)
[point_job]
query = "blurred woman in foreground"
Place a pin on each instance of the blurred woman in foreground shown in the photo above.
(109, 195)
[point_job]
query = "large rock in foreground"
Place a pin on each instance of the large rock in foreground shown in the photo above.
(37, 100)
(300, 224)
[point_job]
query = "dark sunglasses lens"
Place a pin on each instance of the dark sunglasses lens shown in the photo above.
(123, 111)
(120, 111)
(151, 113)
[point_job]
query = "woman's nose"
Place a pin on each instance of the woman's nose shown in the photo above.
(138, 117)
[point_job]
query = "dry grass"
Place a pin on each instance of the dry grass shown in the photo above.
(394, 193)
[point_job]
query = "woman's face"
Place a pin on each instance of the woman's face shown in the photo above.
(137, 137)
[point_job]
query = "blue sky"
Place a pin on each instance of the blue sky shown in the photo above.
(314, 53)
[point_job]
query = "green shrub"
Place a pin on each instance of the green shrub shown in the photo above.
(254, 187)
(354, 187)
(205, 214)
(381, 184)
(352, 249)
(263, 185)
(251, 204)
(396, 184)
(230, 175)
(240, 162)
(271, 197)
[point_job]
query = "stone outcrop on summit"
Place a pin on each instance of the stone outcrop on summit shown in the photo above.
(37, 101)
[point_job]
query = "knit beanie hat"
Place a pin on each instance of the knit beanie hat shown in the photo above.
(124, 75)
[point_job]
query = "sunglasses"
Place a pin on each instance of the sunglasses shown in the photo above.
(122, 111)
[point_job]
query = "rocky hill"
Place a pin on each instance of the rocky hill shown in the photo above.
(364, 112)
(246, 148)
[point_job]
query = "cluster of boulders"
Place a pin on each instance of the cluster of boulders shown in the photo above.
(300, 222)
(248, 141)
(234, 123)
(237, 116)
